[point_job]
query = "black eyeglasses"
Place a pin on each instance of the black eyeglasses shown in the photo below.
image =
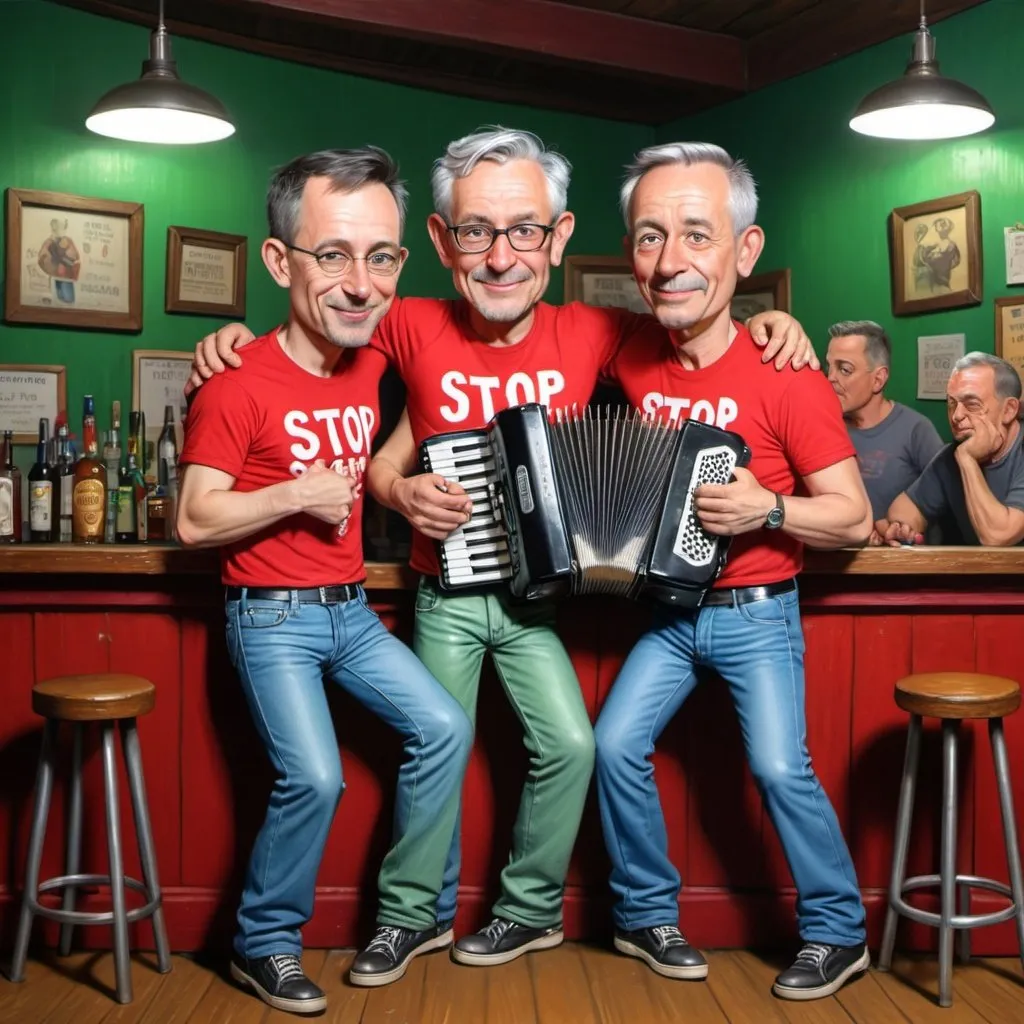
(335, 263)
(480, 237)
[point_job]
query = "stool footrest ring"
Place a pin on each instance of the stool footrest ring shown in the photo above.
(84, 917)
(929, 917)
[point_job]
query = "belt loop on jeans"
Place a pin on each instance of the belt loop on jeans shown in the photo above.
(323, 594)
(293, 602)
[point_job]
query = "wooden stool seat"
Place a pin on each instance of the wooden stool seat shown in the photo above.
(104, 696)
(957, 695)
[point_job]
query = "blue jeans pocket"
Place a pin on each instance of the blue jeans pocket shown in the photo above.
(262, 616)
(769, 611)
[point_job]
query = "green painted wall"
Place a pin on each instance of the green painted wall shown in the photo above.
(58, 62)
(826, 192)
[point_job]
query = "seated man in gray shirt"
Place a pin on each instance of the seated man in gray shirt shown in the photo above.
(978, 480)
(894, 443)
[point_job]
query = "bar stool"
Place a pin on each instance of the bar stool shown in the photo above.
(105, 699)
(951, 697)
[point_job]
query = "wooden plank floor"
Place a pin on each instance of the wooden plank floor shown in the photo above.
(575, 984)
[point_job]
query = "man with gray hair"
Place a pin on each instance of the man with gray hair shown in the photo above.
(690, 214)
(894, 443)
(977, 482)
(500, 224)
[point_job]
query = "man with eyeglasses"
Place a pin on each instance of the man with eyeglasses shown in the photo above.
(500, 224)
(275, 456)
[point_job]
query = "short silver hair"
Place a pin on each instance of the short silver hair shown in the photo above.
(1007, 380)
(499, 145)
(877, 347)
(742, 187)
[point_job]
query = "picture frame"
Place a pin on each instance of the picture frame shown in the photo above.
(761, 292)
(602, 281)
(27, 392)
(1010, 331)
(73, 261)
(158, 380)
(935, 254)
(205, 272)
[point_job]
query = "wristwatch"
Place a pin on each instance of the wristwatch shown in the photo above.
(777, 516)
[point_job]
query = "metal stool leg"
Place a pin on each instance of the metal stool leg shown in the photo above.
(147, 853)
(122, 963)
(963, 936)
(41, 808)
(1002, 767)
(74, 842)
(904, 817)
(947, 870)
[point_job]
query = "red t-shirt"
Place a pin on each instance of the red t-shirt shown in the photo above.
(791, 421)
(455, 381)
(268, 421)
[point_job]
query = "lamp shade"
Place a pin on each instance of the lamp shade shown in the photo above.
(160, 107)
(923, 104)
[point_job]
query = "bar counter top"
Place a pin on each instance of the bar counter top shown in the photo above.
(172, 560)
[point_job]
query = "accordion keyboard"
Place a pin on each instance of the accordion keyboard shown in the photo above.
(477, 552)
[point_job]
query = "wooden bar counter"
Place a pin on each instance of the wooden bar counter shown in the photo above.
(869, 616)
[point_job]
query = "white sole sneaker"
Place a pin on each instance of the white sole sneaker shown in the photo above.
(493, 959)
(822, 991)
(375, 980)
(288, 1005)
(695, 973)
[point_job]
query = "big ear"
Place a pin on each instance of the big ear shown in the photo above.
(441, 237)
(1011, 410)
(275, 259)
(564, 227)
(749, 247)
(881, 378)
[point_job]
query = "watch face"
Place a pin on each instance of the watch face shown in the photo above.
(774, 519)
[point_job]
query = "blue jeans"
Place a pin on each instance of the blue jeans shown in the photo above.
(283, 651)
(758, 649)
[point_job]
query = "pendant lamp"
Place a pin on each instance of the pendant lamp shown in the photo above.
(923, 104)
(160, 107)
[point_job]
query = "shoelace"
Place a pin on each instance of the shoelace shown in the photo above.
(497, 929)
(668, 935)
(813, 955)
(387, 940)
(286, 966)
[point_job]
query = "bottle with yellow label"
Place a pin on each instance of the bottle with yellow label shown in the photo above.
(89, 497)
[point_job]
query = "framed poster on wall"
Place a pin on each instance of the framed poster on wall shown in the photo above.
(28, 392)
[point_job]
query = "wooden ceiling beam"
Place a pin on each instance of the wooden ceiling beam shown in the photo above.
(546, 31)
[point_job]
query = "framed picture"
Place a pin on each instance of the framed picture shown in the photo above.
(935, 254)
(1010, 331)
(28, 392)
(761, 292)
(602, 281)
(73, 261)
(158, 380)
(205, 273)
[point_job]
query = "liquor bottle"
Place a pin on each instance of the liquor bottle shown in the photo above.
(167, 455)
(10, 494)
(65, 483)
(90, 493)
(112, 460)
(137, 441)
(41, 518)
(126, 525)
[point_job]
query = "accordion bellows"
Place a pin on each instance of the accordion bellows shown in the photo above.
(600, 501)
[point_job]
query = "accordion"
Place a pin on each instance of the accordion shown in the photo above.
(597, 502)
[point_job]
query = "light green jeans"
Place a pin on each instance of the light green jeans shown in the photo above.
(451, 636)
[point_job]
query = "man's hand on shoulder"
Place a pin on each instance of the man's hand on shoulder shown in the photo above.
(216, 352)
(783, 339)
(431, 504)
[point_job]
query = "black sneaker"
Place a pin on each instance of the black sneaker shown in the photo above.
(820, 969)
(502, 941)
(665, 950)
(279, 981)
(387, 955)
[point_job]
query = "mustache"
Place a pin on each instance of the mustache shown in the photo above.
(514, 275)
(690, 281)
